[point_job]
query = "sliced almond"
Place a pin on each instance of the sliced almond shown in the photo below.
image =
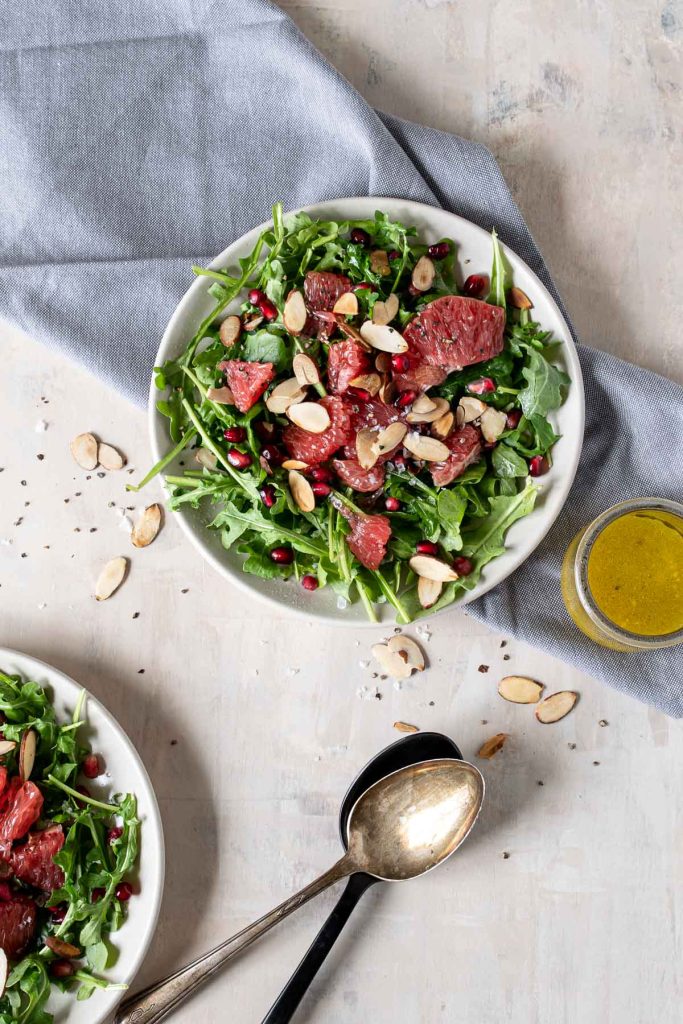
(27, 753)
(383, 362)
(384, 312)
(301, 491)
(84, 450)
(295, 314)
(62, 948)
(310, 416)
(459, 417)
(230, 330)
(390, 437)
(439, 408)
(383, 337)
(492, 423)
(370, 382)
(423, 403)
(6, 747)
(405, 727)
(408, 649)
(289, 392)
(556, 706)
(346, 304)
(366, 447)
(305, 370)
(520, 689)
(519, 299)
(424, 272)
(379, 262)
(493, 745)
(430, 449)
(391, 662)
(206, 458)
(221, 396)
(443, 426)
(109, 458)
(4, 971)
(111, 578)
(351, 331)
(428, 591)
(294, 464)
(252, 322)
(472, 409)
(433, 569)
(147, 526)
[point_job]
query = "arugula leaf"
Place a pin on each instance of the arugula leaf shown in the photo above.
(507, 463)
(496, 295)
(267, 347)
(545, 386)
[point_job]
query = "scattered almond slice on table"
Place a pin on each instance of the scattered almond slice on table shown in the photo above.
(491, 747)
(520, 689)
(109, 457)
(147, 526)
(405, 727)
(111, 578)
(399, 657)
(84, 450)
(556, 706)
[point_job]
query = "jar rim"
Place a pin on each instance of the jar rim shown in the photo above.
(588, 603)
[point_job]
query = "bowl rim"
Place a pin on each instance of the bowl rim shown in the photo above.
(561, 487)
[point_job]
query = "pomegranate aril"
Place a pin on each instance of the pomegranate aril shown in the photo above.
(61, 969)
(124, 891)
(283, 556)
(359, 236)
(476, 286)
(309, 582)
(405, 398)
(462, 565)
(271, 453)
(483, 386)
(321, 490)
(394, 254)
(412, 290)
(392, 504)
(268, 309)
(320, 474)
(513, 418)
(58, 913)
(400, 363)
(426, 547)
(256, 296)
(264, 430)
(97, 895)
(6, 893)
(91, 767)
(362, 287)
(238, 459)
(400, 461)
(439, 251)
(268, 495)
(360, 393)
(235, 434)
(114, 833)
(539, 465)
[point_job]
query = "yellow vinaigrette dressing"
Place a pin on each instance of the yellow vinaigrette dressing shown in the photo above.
(622, 577)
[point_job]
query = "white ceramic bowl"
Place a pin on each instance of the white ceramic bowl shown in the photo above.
(473, 255)
(125, 773)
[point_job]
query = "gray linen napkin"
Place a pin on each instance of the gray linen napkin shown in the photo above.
(137, 138)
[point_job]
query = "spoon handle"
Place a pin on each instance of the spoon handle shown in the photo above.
(285, 1006)
(160, 999)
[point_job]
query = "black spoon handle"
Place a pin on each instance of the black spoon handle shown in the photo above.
(284, 1007)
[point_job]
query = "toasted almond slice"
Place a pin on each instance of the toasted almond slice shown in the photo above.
(84, 450)
(295, 314)
(379, 262)
(428, 591)
(387, 392)
(384, 312)
(433, 569)
(346, 304)
(6, 747)
(62, 948)
(366, 447)
(405, 727)
(472, 409)
(520, 689)
(252, 322)
(492, 423)
(305, 370)
(111, 578)
(4, 971)
(407, 648)
(309, 416)
(519, 299)
(423, 403)
(383, 362)
(27, 753)
(459, 417)
(351, 331)
(147, 526)
(370, 382)
(424, 272)
(391, 662)
(390, 437)
(430, 449)
(230, 330)
(109, 458)
(383, 337)
(443, 426)
(221, 396)
(556, 706)
(206, 458)
(439, 408)
(301, 491)
(493, 745)
(289, 392)
(294, 464)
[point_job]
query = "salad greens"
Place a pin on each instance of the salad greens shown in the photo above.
(85, 910)
(466, 519)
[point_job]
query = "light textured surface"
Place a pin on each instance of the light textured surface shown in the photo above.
(582, 923)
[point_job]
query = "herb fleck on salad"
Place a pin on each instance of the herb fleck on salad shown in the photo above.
(65, 857)
(360, 420)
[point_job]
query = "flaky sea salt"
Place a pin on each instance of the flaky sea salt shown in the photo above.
(40, 427)
(424, 632)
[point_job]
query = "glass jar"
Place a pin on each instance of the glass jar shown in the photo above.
(628, 595)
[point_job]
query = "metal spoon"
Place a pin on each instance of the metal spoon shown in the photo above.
(405, 825)
(421, 746)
